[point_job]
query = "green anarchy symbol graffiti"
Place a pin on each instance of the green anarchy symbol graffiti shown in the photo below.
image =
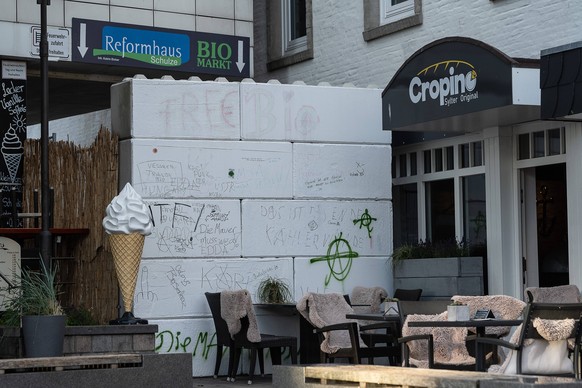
(338, 261)
(365, 220)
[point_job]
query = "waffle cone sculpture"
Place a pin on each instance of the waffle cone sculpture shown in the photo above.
(126, 250)
(127, 222)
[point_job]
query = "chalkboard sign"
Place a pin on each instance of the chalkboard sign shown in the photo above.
(484, 314)
(12, 137)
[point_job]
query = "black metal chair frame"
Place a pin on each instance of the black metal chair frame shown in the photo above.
(355, 353)
(528, 331)
(240, 341)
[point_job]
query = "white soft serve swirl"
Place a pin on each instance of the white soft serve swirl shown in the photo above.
(127, 213)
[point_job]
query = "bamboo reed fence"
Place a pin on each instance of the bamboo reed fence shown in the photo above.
(84, 181)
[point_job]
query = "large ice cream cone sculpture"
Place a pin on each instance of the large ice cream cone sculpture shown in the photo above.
(126, 250)
(127, 223)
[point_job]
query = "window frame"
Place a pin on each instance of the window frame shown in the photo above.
(374, 29)
(283, 51)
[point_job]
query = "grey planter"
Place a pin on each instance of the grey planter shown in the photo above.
(43, 335)
(441, 278)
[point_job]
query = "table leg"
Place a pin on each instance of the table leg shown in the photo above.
(480, 351)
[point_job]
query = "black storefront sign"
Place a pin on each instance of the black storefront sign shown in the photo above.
(119, 44)
(12, 135)
(449, 77)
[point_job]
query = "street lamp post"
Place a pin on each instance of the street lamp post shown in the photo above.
(45, 234)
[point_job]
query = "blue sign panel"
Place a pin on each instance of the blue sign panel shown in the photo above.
(159, 48)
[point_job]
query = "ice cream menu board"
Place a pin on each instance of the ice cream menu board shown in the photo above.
(12, 135)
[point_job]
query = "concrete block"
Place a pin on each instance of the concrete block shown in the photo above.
(174, 288)
(217, 169)
(316, 228)
(175, 109)
(314, 114)
(341, 171)
(189, 228)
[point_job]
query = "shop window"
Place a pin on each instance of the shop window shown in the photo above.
(471, 154)
(405, 214)
(403, 165)
(427, 162)
(384, 17)
(523, 141)
(450, 158)
(477, 148)
(440, 210)
(438, 159)
(464, 155)
(538, 144)
(290, 32)
(474, 220)
(554, 142)
(413, 168)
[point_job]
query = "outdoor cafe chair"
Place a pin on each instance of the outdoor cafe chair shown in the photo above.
(237, 329)
(539, 346)
(454, 347)
(339, 337)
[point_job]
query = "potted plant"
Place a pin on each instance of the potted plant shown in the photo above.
(390, 306)
(34, 305)
(457, 311)
(274, 290)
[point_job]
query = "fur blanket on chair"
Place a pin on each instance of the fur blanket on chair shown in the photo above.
(370, 296)
(235, 305)
(502, 306)
(449, 342)
(327, 309)
(558, 294)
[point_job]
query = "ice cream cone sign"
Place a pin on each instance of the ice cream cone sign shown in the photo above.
(127, 222)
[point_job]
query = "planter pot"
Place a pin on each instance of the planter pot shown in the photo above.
(43, 335)
(391, 308)
(458, 313)
(441, 278)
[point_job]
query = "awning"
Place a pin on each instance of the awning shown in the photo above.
(461, 85)
(561, 82)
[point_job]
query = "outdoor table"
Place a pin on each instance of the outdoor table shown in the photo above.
(374, 317)
(479, 324)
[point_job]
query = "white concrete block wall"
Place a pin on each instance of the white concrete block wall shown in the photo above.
(240, 209)
(519, 28)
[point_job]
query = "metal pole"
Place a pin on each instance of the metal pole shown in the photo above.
(45, 234)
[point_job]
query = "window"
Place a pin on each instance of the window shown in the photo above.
(474, 220)
(440, 210)
(384, 17)
(394, 10)
(290, 32)
(539, 144)
(405, 214)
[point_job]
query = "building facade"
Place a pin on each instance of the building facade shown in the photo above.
(464, 167)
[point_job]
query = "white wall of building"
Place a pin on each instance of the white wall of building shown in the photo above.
(247, 181)
(519, 28)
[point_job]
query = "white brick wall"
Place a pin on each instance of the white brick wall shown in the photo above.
(519, 28)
